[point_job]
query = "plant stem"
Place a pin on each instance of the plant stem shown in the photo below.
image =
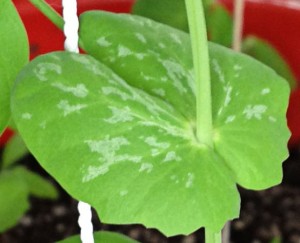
(212, 237)
(239, 6)
(49, 12)
(198, 35)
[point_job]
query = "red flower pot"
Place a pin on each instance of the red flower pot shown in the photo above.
(278, 22)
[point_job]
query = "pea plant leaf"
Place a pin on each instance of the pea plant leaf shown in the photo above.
(37, 185)
(173, 13)
(116, 127)
(102, 236)
(14, 55)
(14, 150)
(13, 199)
(169, 12)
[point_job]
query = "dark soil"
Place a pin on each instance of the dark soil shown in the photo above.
(264, 215)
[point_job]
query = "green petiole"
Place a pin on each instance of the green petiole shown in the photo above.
(198, 35)
(49, 12)
(199, 43)
(211, 237)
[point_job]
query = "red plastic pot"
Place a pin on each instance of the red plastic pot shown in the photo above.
(278, 22)
(44, 37)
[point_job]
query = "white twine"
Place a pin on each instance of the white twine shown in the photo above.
(71, 27)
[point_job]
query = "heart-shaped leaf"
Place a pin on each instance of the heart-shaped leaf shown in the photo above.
(14, 55)
(122, 138)
(240, 116)
(14, 150)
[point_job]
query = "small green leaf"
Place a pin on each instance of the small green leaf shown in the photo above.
(14, 150)
(219, 25)
(37, 185)
(13, 199)
(14, 55)
(107, 129)
(267, 54)
(276, 240)
(102, 237)
(118, 132)
(169, 12)
(173, 13)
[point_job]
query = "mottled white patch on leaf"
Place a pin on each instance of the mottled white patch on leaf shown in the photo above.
(68, 109)
(127, 157)
(172, 156)
(176, 73)
(123, 193)
(159, 91)
(140, 56)
(147, 167)
(254, 111)
(228, 90)
(103, 42)
(115, 91)
(230, 119)
(123, 51)
(119, 115)
(164, 79)
(141, 37)
(146, 77)
(220, 110)
(217, 69)
(176, 38)
(42, 69)
(152, 141)
(265, 91)
(190, 180)
(43, 125)
(272, 119)
(94, 171)
(174, 178)
(88, 62)
(79, 90)
(237, 67)
(107, 147)
(161, 45)
(83, 59)
(26, 116)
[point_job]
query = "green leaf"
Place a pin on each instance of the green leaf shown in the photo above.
(14, 55)
(173, 13)
(169, 12)
(219, 25)
(107, 129)
(13, 151)
(103, 236)
(37, 185)
(276, 240)
(13, 199)
(120, 135)
(267, 54)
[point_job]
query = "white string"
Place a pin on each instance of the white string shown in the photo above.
(71, 25)
(71, 44)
